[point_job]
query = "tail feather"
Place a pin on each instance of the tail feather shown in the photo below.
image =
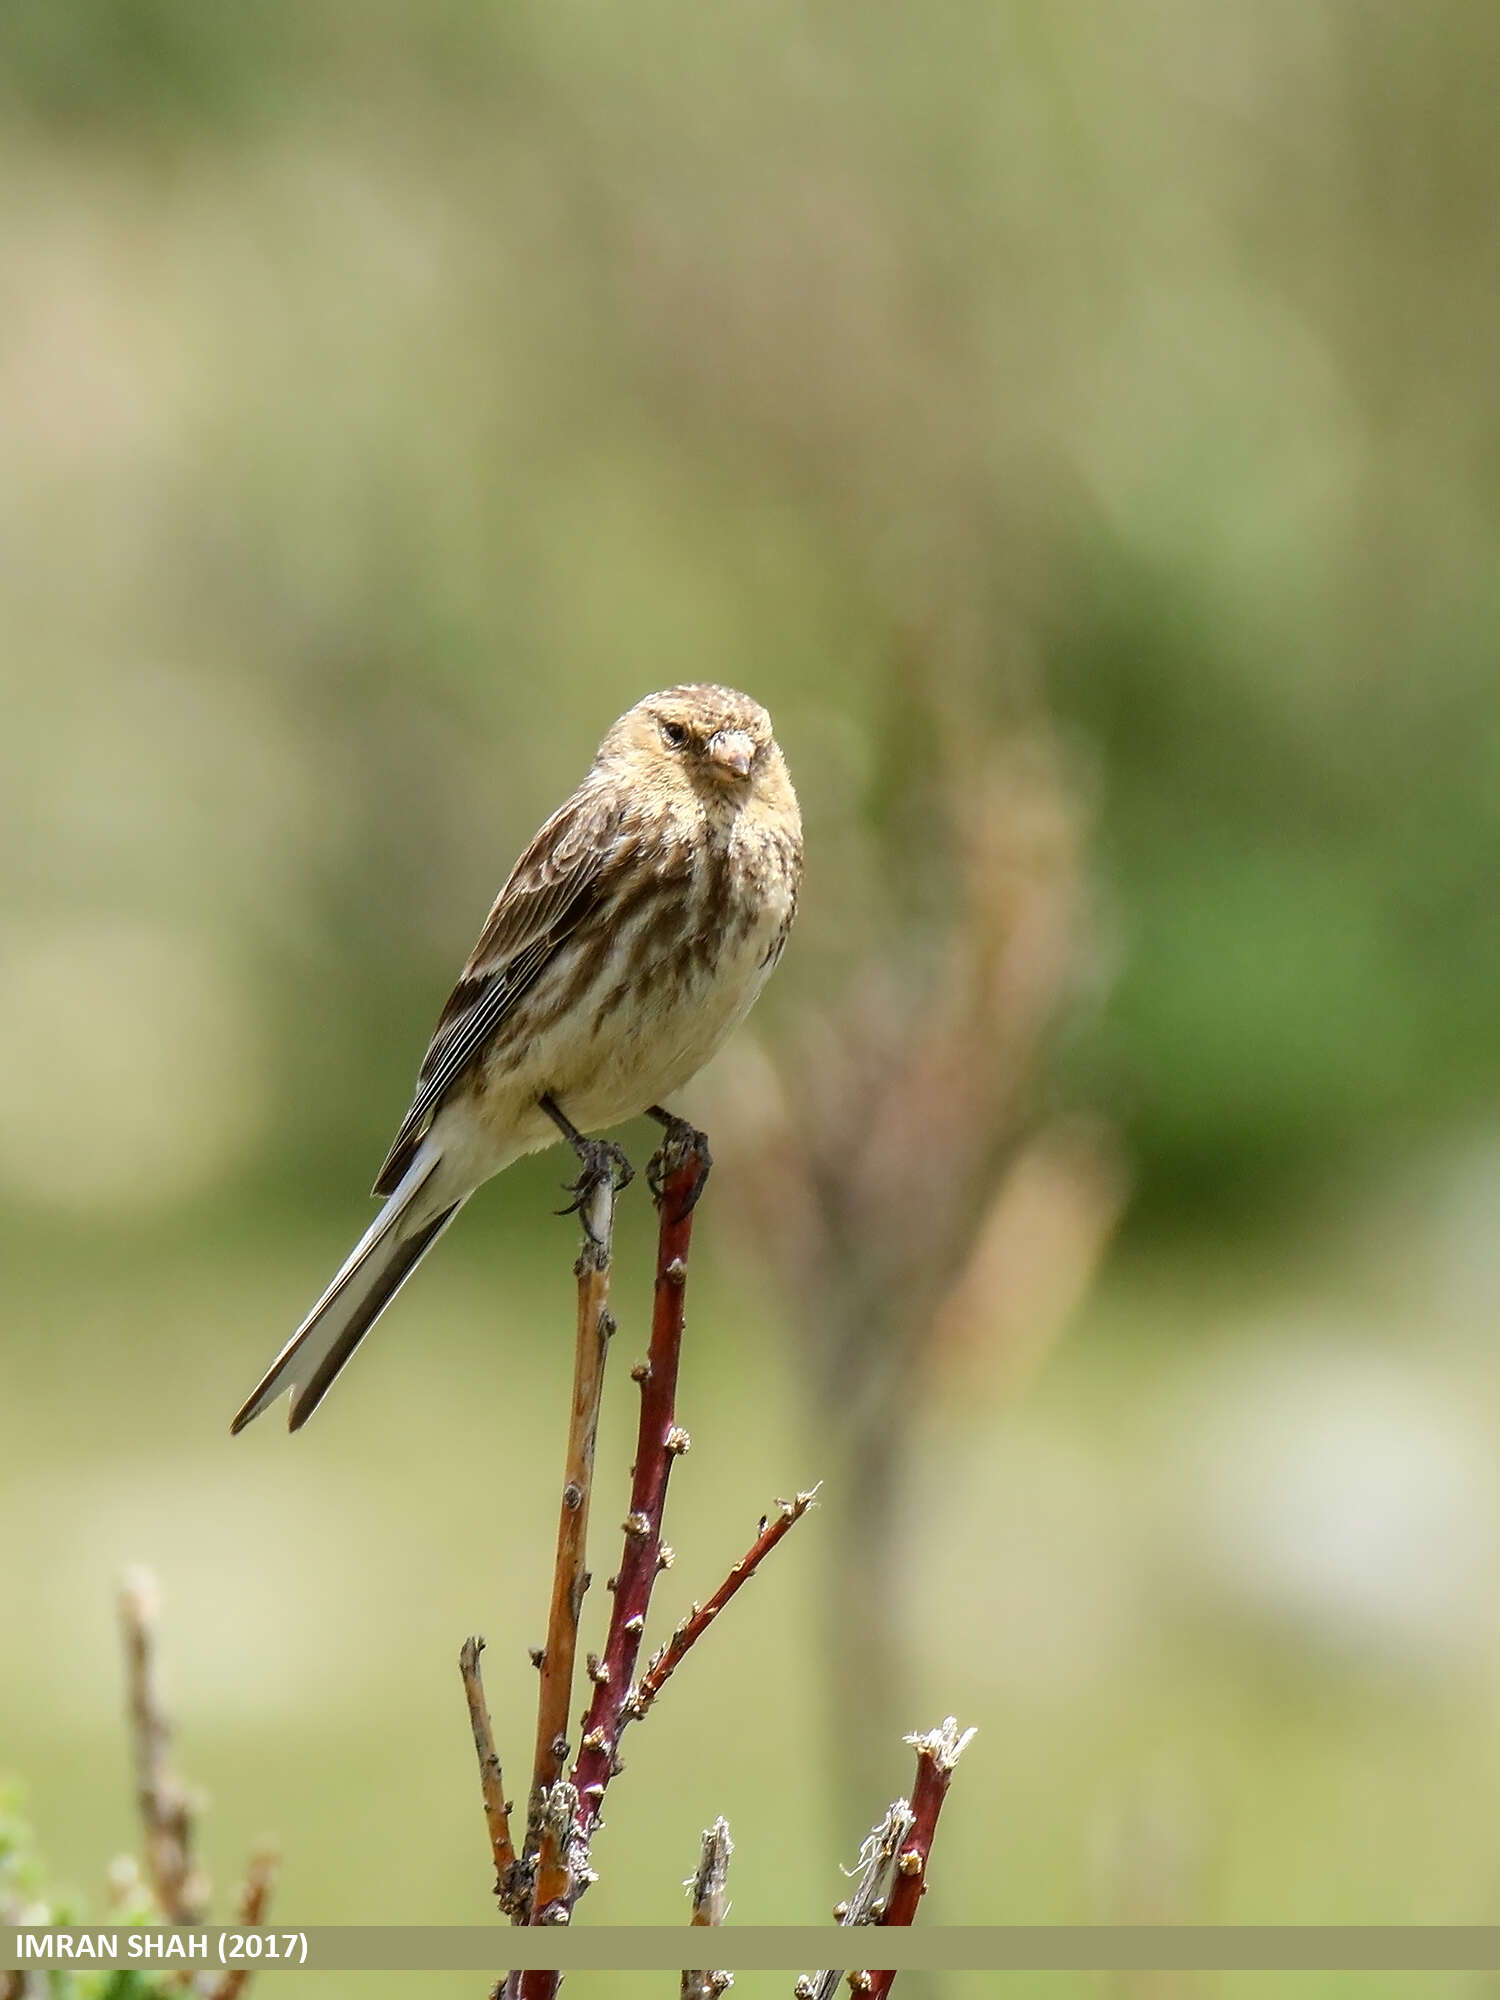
(370, 1277)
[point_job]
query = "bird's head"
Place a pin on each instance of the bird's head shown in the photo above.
(711, 740)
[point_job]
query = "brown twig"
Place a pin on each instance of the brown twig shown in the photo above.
(676, 1176)
(710, 1892)
(687, 1634)
(937, 1753)
(550, 1816)
(250, 1910)
(570, 1575)
(491, 1780)
(164, 1803)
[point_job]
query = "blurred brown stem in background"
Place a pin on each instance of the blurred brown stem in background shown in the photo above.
(931, 1213)
(250, 1910)
(179, 1888)
(163, 1801)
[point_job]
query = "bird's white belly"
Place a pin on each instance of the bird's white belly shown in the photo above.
(642, 1051)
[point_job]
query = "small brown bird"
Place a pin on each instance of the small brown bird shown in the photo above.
(633, 935)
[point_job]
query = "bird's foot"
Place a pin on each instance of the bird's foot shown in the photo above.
(602, 1164)
(683, 1142)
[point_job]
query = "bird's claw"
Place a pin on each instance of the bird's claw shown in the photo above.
(602, 1164)
(682, 1143)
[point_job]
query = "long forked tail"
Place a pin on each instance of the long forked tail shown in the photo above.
(372, 1274)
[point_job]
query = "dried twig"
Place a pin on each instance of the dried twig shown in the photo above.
(510, 1894)
(710, 1893)
(164, 1802)
(250, 1910)
(687, 1634)
(547, 1821)
(676, 1176)
(877, 1861)
(937, 1753)
(893, 1860)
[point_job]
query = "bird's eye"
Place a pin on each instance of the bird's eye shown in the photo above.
(674, 735)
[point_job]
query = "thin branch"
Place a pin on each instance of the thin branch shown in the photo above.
(550, 1816)
(491, 1779)
(710, 1893)
(876, 1867)
(250, 1911)
(937, 1753)
(676, 1177)
(570, 1578)
(687, 1634)
(677, 1174)
(164, 1803)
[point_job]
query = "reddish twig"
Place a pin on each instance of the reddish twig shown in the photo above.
(676, 1176)
(877, 1859)
(937, 1753)
(491, 1779)
(549, 1817)
(667, 1660)
(165, 1804)
(893, 1859)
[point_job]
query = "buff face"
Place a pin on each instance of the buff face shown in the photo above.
(631, 938)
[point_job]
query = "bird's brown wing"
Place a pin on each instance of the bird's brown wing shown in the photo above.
(551, 889)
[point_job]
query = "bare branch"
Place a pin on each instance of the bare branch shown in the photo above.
(570, 1575)
(877, 1862)
(937, 1753)
(491, 1779)
(676, 1177)
(710, 1884)
(164, 1803)
(710, 1893)
(677, 1173)
(667, 1660)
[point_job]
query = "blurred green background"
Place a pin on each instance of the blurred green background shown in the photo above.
(1081, 427)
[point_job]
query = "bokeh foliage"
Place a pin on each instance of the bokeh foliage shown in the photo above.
(393, 393)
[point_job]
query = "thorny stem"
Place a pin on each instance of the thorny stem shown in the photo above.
(570, 1574)
(710, 1892)
(937, 1753)
(893, 1860)
(678, 1175)
(676, 1179)
(687, 1634)
(877, 1857)
(491, 1779)
(164, 1803)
